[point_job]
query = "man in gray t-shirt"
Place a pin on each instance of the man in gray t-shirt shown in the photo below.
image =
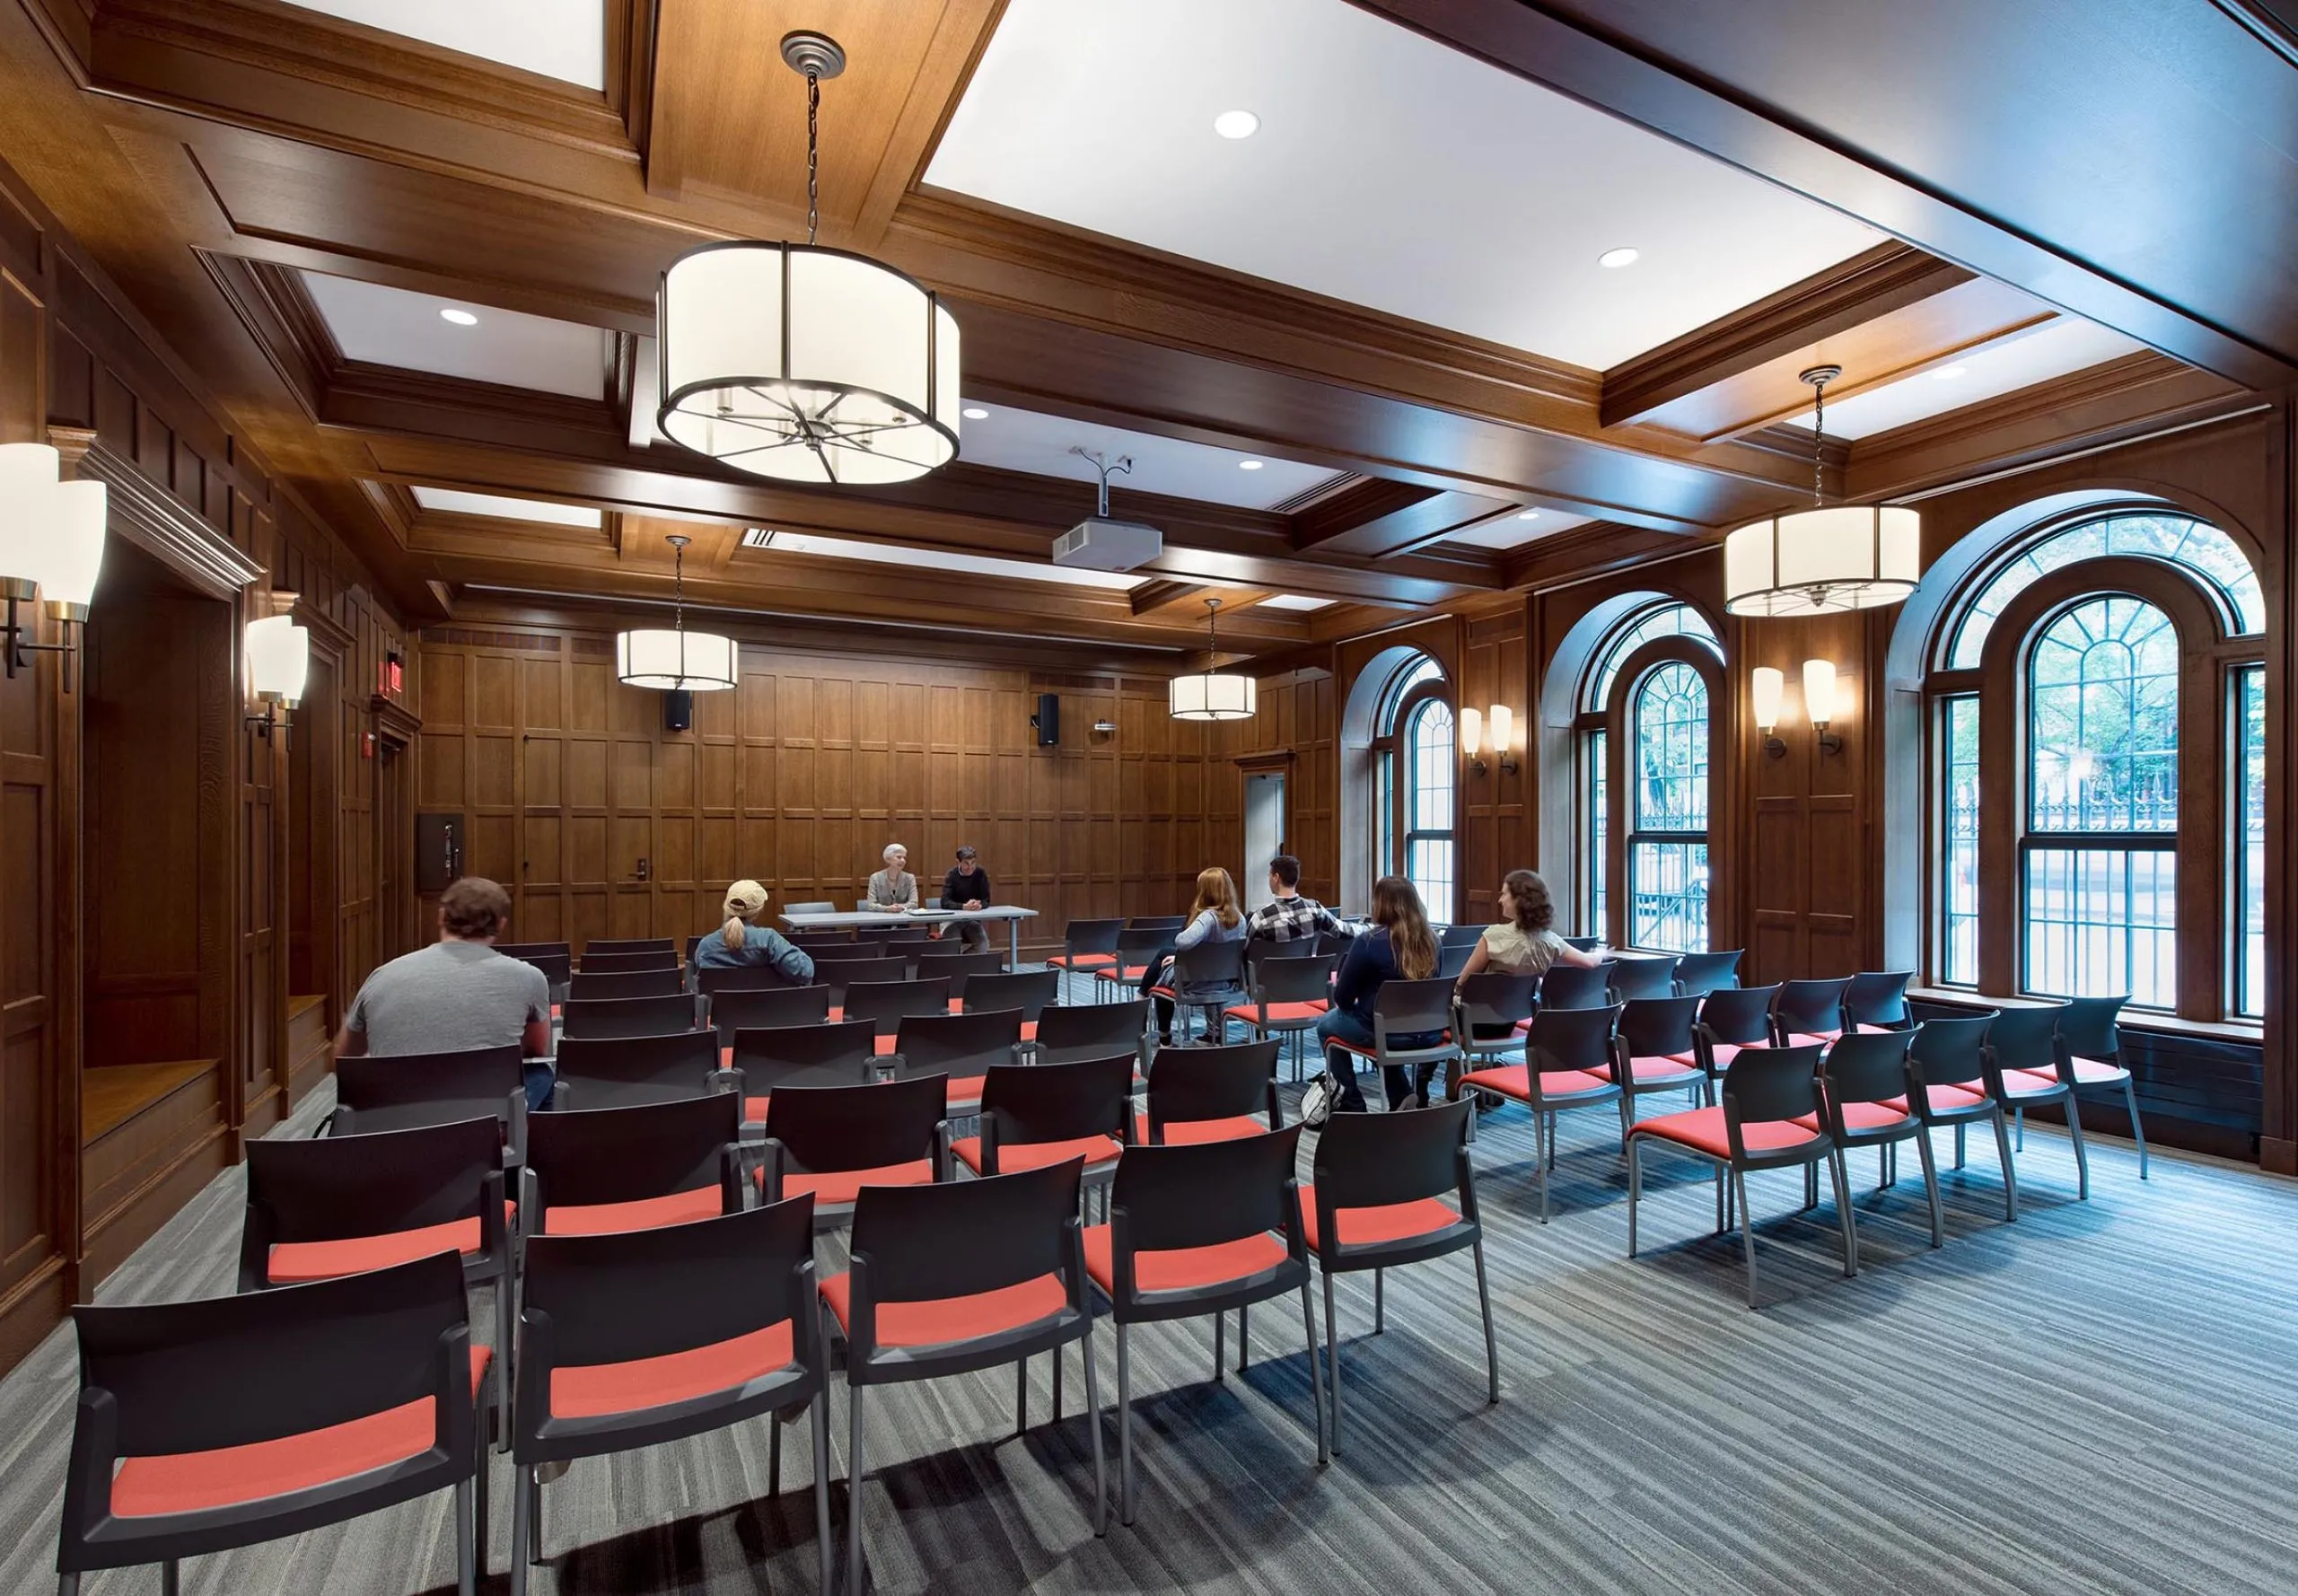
(458, 992)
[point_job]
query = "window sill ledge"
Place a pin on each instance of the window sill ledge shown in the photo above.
(2224, 1030)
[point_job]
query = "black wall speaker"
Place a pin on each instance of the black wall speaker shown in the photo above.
(1048, 720)
(678, 711)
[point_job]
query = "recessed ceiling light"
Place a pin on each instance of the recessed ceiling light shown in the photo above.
(1617, 258)
(1236, 124)
(1528, 516)
(460, 318)
(1249, 465)
(1947, 374)
(975, 413)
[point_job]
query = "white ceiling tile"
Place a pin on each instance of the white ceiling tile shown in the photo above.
(560, 39)
(395, 328)
(1514, 530)
(1292, 602)
(455, 500)
(2051, 350)
(1027, 441)
(936, 559)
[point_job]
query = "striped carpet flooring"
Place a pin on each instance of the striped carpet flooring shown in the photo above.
(2102, 1398)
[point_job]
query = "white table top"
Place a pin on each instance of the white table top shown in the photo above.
(837, 919)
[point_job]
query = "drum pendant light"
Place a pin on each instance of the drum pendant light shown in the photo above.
(805, 363)
(1211, 695)
(1828, 558)
(675, 659)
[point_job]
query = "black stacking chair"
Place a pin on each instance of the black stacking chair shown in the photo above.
(1210, 1094)
(555, 959)
(1877, 1001)
(1217, 968)
(817, 940)
(592, 1170)
(1032, 991)
(1772, 1117)
(694, 941)
(274, 1376)
(830, 1142)
(1699, 974)
(1946, 1071)
(1088, 945)
(742, 978)
(1641, 978)
(627, 1016)
(1289, 994)
(2089, 1052)
(1459, 936)
(1490, 1012)
(1156, 923)
(535, 950)
(767, 1058)
(1866, 1084)
(1391, 1189)
(1808, 1013)
(588, 985)
(1569, 1062)
(1656, 1046)
(1199, 1230)
(629, 945)
(1731, 1018)
(1257, 949)
(757, 1008)
(636, 1338)
(1136, 946)
(1067, 1031)
(1335, 943)
(1453, 959)
(624, 1072)
(1577, 985)
(1033, 1115)
(960, 1047)
(816, 906)
(1404, 1009)
(951, 963)
(417, 1089)
(1585, 945)
(838, 974)
(631, 963)
(886, 1003)
(2022, 1073)
(928, 1262)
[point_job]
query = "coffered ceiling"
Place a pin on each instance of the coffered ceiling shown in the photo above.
(1389, 297)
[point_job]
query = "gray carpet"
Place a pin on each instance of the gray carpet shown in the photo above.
(2102, 1398)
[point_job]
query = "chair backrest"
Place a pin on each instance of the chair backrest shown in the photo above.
(1643, 977)
(1585, 945)
(1260, 951)
(588, 985)
(2026, 1037)
(299, 1189)
(1411, 1008)
(1764, 1085)
(1459, 936)
(1577, 985)
(628, 945)
(838, 974)
(1027, 990)
(758, 1008)
(628, 1154)
(1809, 1008)
(1741, 1015)
(1878, 997)
(822, 1055)
(1369, 1161)
(1867, 1066)
(533, 950)
(624, 1071)
(821, 906)
(1202, 1193)
(713, 979)
(961, 969)
(1293, 977)
(694, 941)
(1453, 958)
(1491, 1002)
(2087, 1028)
(1571, 1039)
(626, 1016)
(889, 1003)
(925, 1243)
(1657, 1027)
(1699, 974)
(828, 936)
(1336, 943)
(1228, 1083)
(1055, 1102)
(620, 964)
(1210, 964)
(1092, 937)
(824, 1129)
(1156, 921)
(1951, 1052)
(555, 959)
(1091, 1029)
(949, 1044)
(1135, 944)
(417, 1089)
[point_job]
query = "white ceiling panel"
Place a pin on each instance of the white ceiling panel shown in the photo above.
(395, 328)
(455, 500)
(2051, 350)
(561, 38)
(936, 559)
(1513, 532)
(1041, 444)
(1293, 601)
(1388, 171)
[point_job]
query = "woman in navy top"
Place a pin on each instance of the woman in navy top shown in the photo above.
(1399, 947)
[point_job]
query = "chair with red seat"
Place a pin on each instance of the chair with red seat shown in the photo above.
(734, 1009)
(1032, 991)
(886, 1003)
(1290, 993)
(1491, 1013)
(712, 980)
(626, 961)
(627, 1016)
(1772, 1117)
(1402, 1010)
(1391, 1189)
(1087, 945)
(628, 945)
(839, 974)
(957, 965)
(1569, 1059)
(1037, 1114)
(1699, 974)
(1731, 1018)
(1577, 985)
(1067, 1031)
(2024, 1073)
(1452, 958)
(640, 1337)
(1136, 947)
(1656, 1045)
(622, 1072)
(953, 1278)
(1210, 1094)
(1217, 970)
(631, 1169)
(767, 1058)
(962, 1047)
(1866, 1081)
(230, 1421)
(555, 959)
(412, 1089)
(1946, 1072)
(2090, 1051)
(1156, 921)
(588, 985)
(1197, 1230)
(1644, 976)
(1876, 1000)
(835, 1141)
(1805, 1014)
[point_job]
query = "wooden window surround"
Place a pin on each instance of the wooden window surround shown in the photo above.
(1616, 720)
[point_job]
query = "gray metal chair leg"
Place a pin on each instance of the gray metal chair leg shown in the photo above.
(853, 1570)
(1841, 1179)
(1491, 1344)
(2019, 1121)
(1379, 1303)
(1539, 1160)
(523, 1530)
(1634, 1192)
(1094, 1424)
(1332, 1353)
(479, 1525)
(774, 1454)
(2138, 1131)
(466, 1541)
(2082, 1154)
(534, 1492)
(1021, 1397)
(1124, 1430)
(1747, 1232)
(1931, 1186)
(1056, 1384)
(1959, 1144)
(171, 1578)
(1220, 1349)
(2009, 1175)
(1316, 1373)
(1244, 1341)
(69, 1584)
(819, 1410)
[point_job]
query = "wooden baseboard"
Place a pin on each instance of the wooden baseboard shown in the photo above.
(2278, 1156)
(29, 1310)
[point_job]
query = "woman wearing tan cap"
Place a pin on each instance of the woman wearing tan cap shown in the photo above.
(741, 941)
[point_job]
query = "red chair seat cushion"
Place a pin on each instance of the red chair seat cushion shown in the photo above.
(1723, 1052)
(260, 1470)
(1389, 1221)
(292, 1262)
(942, 1320)
(1183, 1269)
(1308, 1008)
(1663, 1070)
(840, 1186)
(1702, 1130)
(1013, 1157)
(1081, 960)
(1131, 972)
(2097, 1072)
(1882, 1115)
(589, 1390)
(1365, 1050)
(1185, 1132)
(1943, 1099)
(1813, 1039)
(2026, 1084)
(647, 1214)
(1514, 1081)
(884, 1045)
(965, 1092)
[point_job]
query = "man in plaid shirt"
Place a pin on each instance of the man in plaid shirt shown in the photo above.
(1290, 917)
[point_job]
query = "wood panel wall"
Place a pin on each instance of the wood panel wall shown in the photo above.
(1297, 731)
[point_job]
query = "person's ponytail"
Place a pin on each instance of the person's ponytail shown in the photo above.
(736, 932)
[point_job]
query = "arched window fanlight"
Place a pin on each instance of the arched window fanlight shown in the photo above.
(804, 363)
(1211, 695)
(675, 659)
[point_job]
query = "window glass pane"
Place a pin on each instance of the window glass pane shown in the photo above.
(1414, 671)
(1428, 865)
(2250, 844)
(2103, 921)
(1668, 896)
(1672, 620)
(1671, 750)
(2102, 729)
(2196, 545)
(1432, 766)
(1599, 830)
(1959, 874)
(1384, 810)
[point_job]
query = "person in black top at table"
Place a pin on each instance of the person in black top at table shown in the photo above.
(966, 886)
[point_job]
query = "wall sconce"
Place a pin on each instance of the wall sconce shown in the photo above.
(1501, 720)
(279, 659)
(1766, 688)
(51, 547)
(1819, 700)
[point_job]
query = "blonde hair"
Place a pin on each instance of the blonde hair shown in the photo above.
(744, 898)
(1217, 892)
(1396, 905)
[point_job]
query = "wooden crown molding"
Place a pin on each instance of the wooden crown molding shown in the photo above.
(149, 516)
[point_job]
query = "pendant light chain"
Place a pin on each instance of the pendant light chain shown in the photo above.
(814, 168)
(1819, 432)
(1211, 635)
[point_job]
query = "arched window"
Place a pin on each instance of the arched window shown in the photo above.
(2087, 681)
(1643, 779)
(1415, 772)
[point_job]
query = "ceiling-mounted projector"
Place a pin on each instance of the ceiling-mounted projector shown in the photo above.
(1100, 543)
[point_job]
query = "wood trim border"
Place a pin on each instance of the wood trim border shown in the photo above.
(149, 516)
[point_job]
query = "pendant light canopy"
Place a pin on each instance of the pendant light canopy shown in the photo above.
(673, 659)
(804, 363)
(1211, 695)
(1825, 560)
